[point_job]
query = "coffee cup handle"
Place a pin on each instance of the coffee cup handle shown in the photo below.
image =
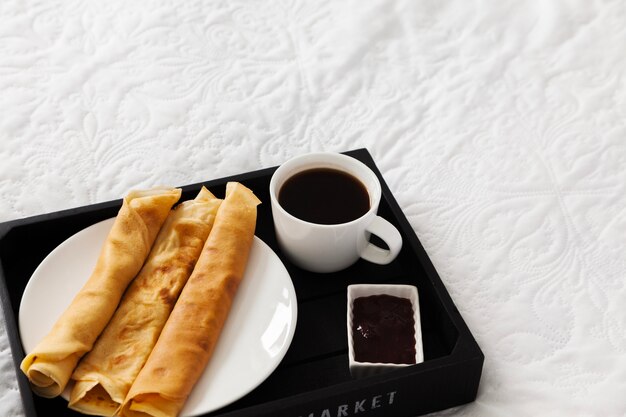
(390, 235)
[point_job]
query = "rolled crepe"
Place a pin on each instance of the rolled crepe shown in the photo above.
(192, 330)
(105, 374)
(49, 366)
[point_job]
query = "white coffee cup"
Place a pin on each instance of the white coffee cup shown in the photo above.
(332, 247)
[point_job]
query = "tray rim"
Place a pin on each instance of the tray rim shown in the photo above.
(465, 350)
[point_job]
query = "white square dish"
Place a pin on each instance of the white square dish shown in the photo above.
(361, 369)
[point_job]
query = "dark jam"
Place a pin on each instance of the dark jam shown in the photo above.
(383, 329)
(324, 196)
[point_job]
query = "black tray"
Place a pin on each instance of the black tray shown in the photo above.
(313, 380)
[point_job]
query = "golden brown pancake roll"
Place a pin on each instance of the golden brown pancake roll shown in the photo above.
(192, 330)
(105, 374)
(50, 364)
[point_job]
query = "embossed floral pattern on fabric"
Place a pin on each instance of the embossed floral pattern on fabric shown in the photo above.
(498, 125)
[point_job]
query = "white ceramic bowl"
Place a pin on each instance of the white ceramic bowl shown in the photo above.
(361, 369)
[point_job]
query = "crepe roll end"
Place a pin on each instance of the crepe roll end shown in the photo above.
(95, 400)
(150, 405)
(47, 379)
(204, 195)
(91, 397)
(244, 194)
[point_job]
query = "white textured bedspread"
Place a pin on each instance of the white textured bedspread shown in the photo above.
(500, 127)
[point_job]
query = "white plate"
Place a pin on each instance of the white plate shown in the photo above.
(254, 339)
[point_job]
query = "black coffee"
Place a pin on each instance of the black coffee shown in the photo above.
(324, 196)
